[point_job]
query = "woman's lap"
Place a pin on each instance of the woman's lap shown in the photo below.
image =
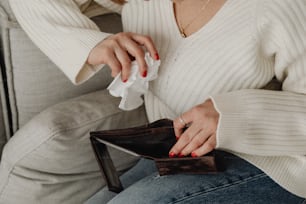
(241, 182)
(141, 170)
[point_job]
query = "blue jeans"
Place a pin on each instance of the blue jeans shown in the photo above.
(241, 182)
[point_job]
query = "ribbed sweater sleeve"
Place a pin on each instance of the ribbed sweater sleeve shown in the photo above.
(271, 123)
(62, 32)
(110, 5)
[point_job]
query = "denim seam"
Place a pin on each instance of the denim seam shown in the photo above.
(262, 175)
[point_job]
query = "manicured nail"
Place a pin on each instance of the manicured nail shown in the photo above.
(171, 154)
(181, 155)
(145, 73)
(193, 154)
(156, 56)
(124, 81)
(177, 137)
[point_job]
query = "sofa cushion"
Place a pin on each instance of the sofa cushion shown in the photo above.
(3, 113)
(34, 82)
(5, 5)
(2, 130)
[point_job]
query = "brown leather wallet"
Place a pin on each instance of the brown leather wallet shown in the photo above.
(152, 141)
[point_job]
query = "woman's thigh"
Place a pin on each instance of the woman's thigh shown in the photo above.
(141, 170)
(241, 182)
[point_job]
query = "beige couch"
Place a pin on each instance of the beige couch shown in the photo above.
(46, 121)
(3, 138)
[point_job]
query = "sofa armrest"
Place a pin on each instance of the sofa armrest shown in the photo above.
(53, 151)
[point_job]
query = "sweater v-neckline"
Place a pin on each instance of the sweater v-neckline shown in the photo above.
(204, 27)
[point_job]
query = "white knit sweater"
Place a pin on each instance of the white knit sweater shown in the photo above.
(242, 47)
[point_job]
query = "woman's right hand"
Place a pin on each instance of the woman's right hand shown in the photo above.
(117, 50)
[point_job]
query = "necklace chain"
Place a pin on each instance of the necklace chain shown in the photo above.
(182, 29)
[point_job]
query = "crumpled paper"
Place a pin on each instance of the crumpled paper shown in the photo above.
(131, 91)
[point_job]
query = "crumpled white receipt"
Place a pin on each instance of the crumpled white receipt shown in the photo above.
(131, 91)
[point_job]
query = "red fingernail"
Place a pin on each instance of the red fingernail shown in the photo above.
(193, 154)
(177, 137)
(181, 155)
(171, 154)
(156, 56)
(145, 73)
(124, 81)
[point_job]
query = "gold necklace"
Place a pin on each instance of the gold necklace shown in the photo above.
(182, 29)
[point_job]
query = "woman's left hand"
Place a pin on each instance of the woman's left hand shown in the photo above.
(200, 136)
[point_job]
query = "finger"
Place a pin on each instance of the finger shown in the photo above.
(196, 142)
(114, 64)
(148, 43)
(181, 122)
(125, 62)
(207, 147)
(135, 50)
(178, 127)
(185, 139)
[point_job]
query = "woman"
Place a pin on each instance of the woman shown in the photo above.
(216, 56)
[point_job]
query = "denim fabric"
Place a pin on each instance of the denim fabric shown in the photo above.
(142, 169)
(241, 182)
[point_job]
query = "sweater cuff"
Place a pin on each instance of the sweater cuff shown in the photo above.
(79, 70)
(232, 123)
